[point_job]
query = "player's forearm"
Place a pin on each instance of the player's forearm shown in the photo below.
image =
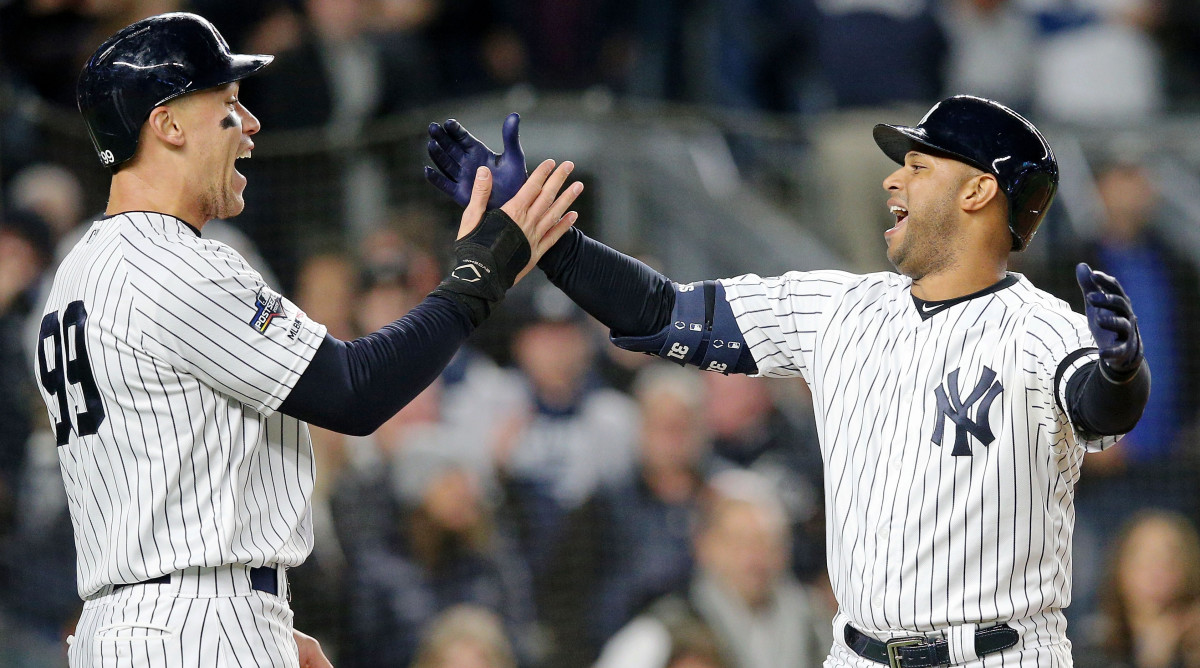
(1104, 404)
(353, 387)
(625, 294)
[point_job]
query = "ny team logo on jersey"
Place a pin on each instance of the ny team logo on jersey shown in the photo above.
(269, 304)
(952, 407)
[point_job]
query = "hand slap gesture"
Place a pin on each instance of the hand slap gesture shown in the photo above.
(537, 207)
(459, 155)
(1111, 319)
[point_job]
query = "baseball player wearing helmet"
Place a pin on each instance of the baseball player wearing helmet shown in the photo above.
(955, 401)
(179, 385)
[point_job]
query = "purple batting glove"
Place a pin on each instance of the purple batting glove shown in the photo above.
(1111, 319)
(457, 152)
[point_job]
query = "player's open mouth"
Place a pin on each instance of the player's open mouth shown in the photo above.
(900, 213)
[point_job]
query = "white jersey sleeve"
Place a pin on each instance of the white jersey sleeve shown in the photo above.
(781, 318)
(1057, 345)
(203, 310)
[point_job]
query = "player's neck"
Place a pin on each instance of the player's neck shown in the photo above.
(132, 191)
(958, 281)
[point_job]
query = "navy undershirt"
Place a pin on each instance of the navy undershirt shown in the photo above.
(352, 387)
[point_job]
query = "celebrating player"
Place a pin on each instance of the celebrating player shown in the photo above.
(955, 400)
(179, 385)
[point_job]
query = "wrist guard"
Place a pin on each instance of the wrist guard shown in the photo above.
(486, 263)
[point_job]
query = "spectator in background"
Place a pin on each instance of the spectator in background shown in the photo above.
(1098, 62)
(750, 432)
(438, 545)
(568, 437)
(868, 54)
(1150, 610)
(465, 636)
(742, 592)
(50, 191)
(991, 50)
(559, 45)
(872, 53)
(648, 520)
(333, 73)
(38, 602)
(1179, 34)
(26, 248)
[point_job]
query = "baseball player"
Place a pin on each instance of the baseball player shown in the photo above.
(179, 385)
(954, 400)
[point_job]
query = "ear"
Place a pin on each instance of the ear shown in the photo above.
(978, 191)
(164, 124)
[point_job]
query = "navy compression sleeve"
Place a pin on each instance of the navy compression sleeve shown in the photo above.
(352, 387)
(624, 294)
(1104, 404)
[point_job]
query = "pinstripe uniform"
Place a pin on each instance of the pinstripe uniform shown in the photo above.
(950, 464)
(162, 358)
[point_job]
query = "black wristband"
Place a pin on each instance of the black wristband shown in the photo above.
(486, 264)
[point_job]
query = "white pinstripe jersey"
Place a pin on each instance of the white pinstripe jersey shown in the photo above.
(162, 359)
(950, 465)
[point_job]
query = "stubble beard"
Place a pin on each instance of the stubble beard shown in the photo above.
(932, 248)
(219, 202)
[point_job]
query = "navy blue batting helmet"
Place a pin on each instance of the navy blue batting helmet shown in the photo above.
(143, 66)
(991, 137)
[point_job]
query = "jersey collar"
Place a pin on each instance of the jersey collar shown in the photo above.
(157, 213)
(928, 309)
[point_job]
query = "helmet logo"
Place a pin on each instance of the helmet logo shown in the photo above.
(106, 157)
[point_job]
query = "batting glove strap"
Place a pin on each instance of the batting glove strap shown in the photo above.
(486, 264)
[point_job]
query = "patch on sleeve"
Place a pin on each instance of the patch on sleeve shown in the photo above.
(269, 304)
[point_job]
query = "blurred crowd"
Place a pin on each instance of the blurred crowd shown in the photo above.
(551, 500)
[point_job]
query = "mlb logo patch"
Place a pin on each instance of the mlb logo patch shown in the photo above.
(269, 304)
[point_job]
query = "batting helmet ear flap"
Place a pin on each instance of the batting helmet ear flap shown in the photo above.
(1031, 195)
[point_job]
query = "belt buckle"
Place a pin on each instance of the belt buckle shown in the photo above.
(895, 644)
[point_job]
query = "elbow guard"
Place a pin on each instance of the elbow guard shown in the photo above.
(702, 332)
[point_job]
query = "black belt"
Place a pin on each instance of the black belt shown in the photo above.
(262, 578)
(925, 653)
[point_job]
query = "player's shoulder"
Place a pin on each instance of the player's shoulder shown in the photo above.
(1049, 322)
(833, 280)
(159, 244)
(1040, 305)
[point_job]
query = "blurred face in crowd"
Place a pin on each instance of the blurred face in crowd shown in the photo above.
(1129, 198)
(735, 402)
(923, 197)
(693, 661)
(555, 356)
(325, 289)
(336, 20)
(382, 303)
(463, 653)
(744, 547)
(20, 264)
(216, 130)
(452, 501)
(1153, 570)
(672, 432)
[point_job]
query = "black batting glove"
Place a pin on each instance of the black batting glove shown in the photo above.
(1113, 324)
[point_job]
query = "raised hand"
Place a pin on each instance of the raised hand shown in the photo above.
(458, 155)
(540, 211)
(1111, 319)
